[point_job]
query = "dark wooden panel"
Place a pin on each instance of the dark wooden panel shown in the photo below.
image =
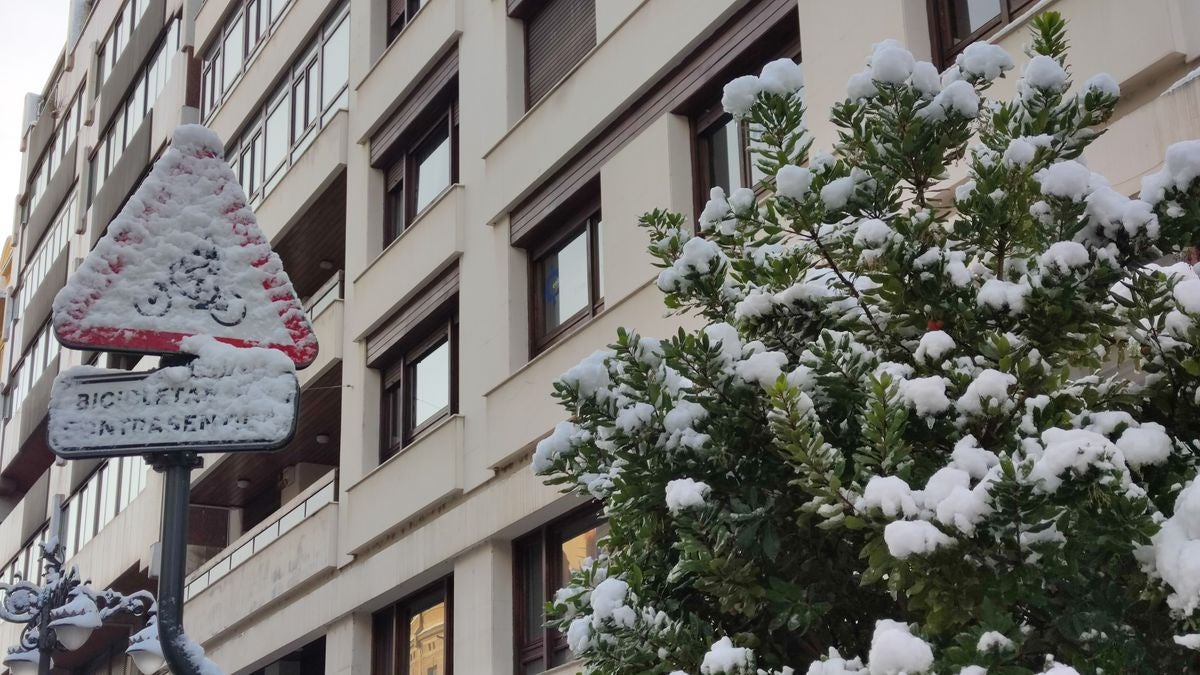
(320, 413)
(556, 38)
(319, 236)
(440, 81)
(429, 300)
(762, 21)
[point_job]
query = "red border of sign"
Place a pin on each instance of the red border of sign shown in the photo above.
(302, 351)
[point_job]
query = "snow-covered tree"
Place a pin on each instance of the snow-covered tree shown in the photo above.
(920, 432)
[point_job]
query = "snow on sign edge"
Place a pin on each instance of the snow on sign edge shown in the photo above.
(193, 149)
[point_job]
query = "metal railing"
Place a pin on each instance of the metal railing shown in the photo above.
(301, 508)
(331, 290)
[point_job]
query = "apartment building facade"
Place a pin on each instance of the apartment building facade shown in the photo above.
(453, 186)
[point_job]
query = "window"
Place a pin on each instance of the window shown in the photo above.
(248, 25)
(312, 91)
(567, 279)
(957, 23)
(420, 388)
(422, 172)
(114, 43)
(139, 101)
(413, 636)
(544, 561)
(110, 488)
(400, 12)
(558, 33)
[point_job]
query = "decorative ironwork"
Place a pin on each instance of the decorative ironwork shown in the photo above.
(63, 600)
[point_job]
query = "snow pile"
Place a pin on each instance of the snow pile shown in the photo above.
(890, 63)
(957, 97)
(763, 368)
(1067, 180)
(994, 640)
(725, 659)
(836, 194)
(608, 604)
(1064, 256)
(894, 650)
(1182, 166)
(685, 493)
(1177, 551)
(891, 495)
(933, 346)
(699, 256)
(549, 449)
(1102, 83)
(988, 385)
(184, 256)
(1145, 445)
(969, 457)
(999, 295)
(1073, 451)
(782, 76)
(793, 182)
(984, 61)
(912, 537)
(926, 394)
(1045, 73)
(925, 78)
(1190, 641)
(834, 664)
(226, 396)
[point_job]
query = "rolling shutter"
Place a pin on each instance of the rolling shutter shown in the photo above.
(404, 324)
(557, 37)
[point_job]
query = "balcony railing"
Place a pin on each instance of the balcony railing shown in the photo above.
(325, 295)
(299, 509)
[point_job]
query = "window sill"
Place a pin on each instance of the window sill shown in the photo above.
(425, 435)
(421, 217)
(569, 668)
(566, 337)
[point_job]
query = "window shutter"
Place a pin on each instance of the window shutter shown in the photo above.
(395, 10)
(391, 336)
(556, 38)
(442, 79)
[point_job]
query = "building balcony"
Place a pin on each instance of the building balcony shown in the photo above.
(325, 309)
(281, 555)
(436, 457)
(307, 185)
(26, 454)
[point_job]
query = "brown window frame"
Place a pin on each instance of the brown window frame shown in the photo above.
(585, 220)
(395, 618)
(549, 537)
(398, 397)
(402, 173)
(945, 48)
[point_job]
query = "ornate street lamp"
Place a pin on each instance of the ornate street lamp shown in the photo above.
(61, 614)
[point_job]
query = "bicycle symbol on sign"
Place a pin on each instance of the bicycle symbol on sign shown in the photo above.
(194, 278)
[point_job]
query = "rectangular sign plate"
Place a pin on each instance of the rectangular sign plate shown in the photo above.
(109, 414)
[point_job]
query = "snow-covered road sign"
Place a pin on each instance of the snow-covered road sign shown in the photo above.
(184, 257)
(225, 400)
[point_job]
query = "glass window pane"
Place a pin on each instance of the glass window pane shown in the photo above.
(724, 153)
(277, 7)
(433, 168)
(564, 282)
(968, 16)
(427, 641)
(337, 63)
(232, 52)
(533, 584)
(276, 135)
(431, 390)
(109, 501)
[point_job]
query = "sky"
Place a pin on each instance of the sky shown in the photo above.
(34, 34)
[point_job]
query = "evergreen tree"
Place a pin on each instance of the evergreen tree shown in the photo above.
(919, 432)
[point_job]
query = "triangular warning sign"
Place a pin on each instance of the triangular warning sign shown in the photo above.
(184, 257)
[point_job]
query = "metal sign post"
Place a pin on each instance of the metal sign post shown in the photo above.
(187, 275)
(176, 468)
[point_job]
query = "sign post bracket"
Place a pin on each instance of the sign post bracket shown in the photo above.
(176, 468)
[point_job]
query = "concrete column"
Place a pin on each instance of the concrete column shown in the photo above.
(483, 609)
(348, 646)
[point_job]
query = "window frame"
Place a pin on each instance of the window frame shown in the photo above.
(403, 609)
(587, 220)
(397, 24)
(397, 391)
(402, 172)
(549, 537)
(945, 48)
